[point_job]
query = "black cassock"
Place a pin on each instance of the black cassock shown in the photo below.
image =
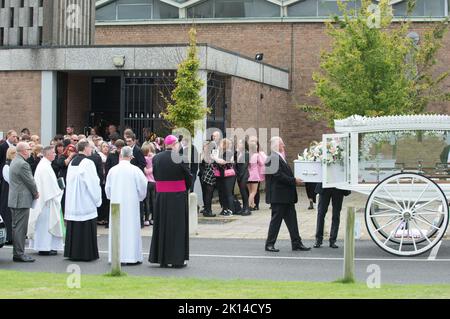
(170, 240)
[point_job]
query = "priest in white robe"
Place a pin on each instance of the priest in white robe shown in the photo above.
(83, 196)
(126, 185)
(45, 224)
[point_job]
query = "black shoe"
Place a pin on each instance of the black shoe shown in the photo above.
(311, 206)
(208, 214)
(222, 212)
(333, 245)
(300, 247)
(246, 212)
(256, 207)
(9, 243)
(23, 259)
(48, 253)
(318, 244)
(239, 212)
(164, 265)
(179, 266)
(272, 249)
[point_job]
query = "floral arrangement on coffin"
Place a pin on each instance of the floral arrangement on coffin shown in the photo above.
(313, 153)
(335, 152)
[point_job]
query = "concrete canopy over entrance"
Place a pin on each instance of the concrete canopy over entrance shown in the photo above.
(140, 58)
(53, 60)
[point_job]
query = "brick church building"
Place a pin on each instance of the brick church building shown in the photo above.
(90, 63)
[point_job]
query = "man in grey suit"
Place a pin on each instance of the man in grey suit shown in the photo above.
(22, 191)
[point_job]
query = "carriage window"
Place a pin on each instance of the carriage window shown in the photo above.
(382, 154)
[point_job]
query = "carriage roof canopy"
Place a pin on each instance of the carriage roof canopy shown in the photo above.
(360, 124)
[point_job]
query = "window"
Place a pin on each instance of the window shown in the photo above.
(31, 22)
(202, 10)
(164, 11)
(106, 13)
(11, 17)
(2, 36)
(21, 36)
(303, 9)
(424, 8)
(134, 11)
(234, 9)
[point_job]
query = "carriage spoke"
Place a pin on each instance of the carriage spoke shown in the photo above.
(389, 223)
(401, 240)
(420, 196)
(393, 232)
(401, 193)
(427, 203)
(413, 240)
(427, 211)
(390, 195)
(421, 232)
(423, 220)
(381, 203)
(410, 192)
(384, 215)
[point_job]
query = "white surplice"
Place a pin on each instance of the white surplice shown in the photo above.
(126, 185)
(45, 225)
(83, 192)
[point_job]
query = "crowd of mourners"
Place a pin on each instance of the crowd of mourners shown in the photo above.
(218, 171)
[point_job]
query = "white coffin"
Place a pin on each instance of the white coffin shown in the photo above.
(307, 171)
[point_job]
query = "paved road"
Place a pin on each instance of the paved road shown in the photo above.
(246, 259)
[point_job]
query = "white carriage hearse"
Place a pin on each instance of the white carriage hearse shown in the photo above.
(402, 164)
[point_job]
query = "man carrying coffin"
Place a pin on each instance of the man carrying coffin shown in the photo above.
(45, 227)
(126, 185)
(170, 240)
(83, 196)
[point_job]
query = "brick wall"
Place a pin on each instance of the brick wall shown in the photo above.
(78, 104)
(20, 101)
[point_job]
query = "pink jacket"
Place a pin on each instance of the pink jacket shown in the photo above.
(149, 169)
(256, 167)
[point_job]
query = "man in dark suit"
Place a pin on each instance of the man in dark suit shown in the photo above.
(22, 191)
(281, 193)
(325, 196)
(138, 157)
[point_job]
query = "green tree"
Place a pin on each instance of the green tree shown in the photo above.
(374, 68)
(186, 104)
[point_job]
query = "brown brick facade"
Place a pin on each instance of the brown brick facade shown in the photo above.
(20, 101)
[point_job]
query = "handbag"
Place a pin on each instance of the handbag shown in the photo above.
(229, 172)
(216, 172)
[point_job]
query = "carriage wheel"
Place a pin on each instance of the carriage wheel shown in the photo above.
(407, 214)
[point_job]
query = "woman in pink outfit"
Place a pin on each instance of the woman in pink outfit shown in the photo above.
(149, 151)
(256, 171)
